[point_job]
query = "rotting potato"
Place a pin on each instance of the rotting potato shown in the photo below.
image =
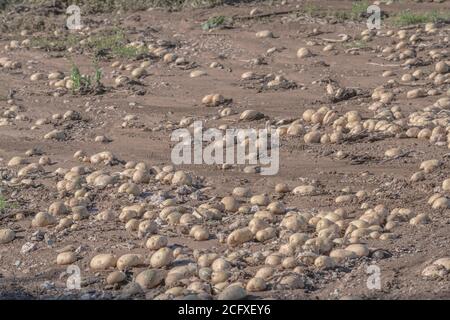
(151, 278)
(6, 236)
(233, 292)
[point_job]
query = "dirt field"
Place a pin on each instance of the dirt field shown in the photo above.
(379, 106)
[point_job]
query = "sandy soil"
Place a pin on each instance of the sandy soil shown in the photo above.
(168, 94)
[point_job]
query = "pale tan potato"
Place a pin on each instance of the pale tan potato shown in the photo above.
(264, 34)
(303, 53)
(161, 258)
(156, 242)
(103, 261)
(66, 258)
(128, 261)
(260, 200)
(239, 237)
(256, 285)
(446, 185)
(43, 219)
(361, 250)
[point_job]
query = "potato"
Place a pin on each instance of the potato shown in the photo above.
(213, 100)
(218, 277)
(156, 242)
(17, 161)
(241, 192)
(132, 225)
(103, 261)
(341, 254)
(434, 272)
(37, 76)
(6, 236)
(115, 277)
(303, 53)
(424, 134)
(141, 176)
(130, 188)
(265, 272)
(233, 292)
(294, 222)
(181, 272)
(292, 282)
(418, 176)
(251, 115)
(282, 188)
(443, 262)
(256, 285)
(161, 258)
(416, 93)
(298, 239)
(361, 250)
(147, 227)
(128, 261)
(231, 204)
(442, 67)
(127, 215)
(266, 234)
(420, 219)
(393, 152)
(344, 198)
(239, 236)
(260, 200)
(181, 178)
(169, 57)
(264, 34)
(248, 75)
(206, 260)
(199, 233)
(324, 262)
(304, 190)
(257, 224)
(198, 287)
(430, 165)
(312, 137)
(138, 73)
(446, 185)
(289, 263)
(197, 73)
(43, 219)
(273, 260)
(58, 208)
(79, 213)
(55, 135)
(441, 203)
(220, 264)
(65, 258)
(149, 279)
(276, 207)
(295, 130)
